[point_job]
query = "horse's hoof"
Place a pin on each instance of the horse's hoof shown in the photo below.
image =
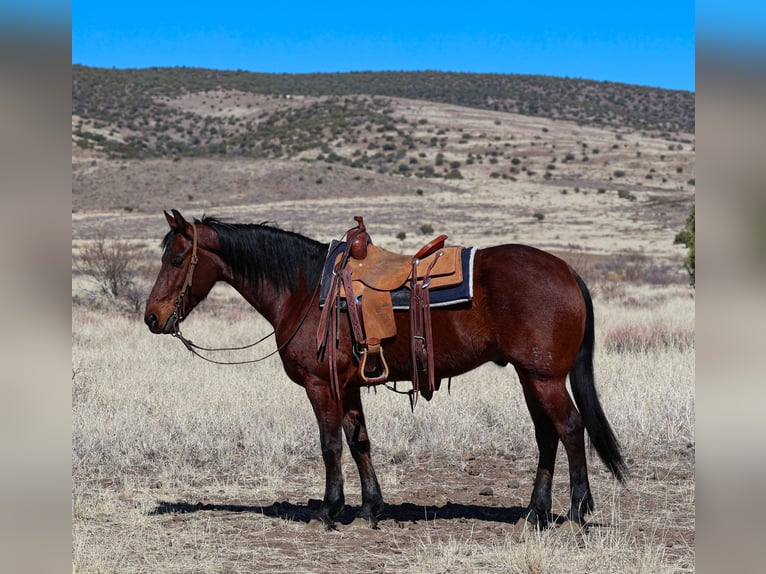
(574, 526)
(577, 513)
(368, 514)
(577, 531)
(318, 524)
(360, 522)
(536, 518)
(321, 521)
(520, 530)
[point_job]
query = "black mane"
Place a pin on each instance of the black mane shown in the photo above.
(262, 253)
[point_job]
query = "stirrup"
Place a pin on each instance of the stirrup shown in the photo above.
(382, 377)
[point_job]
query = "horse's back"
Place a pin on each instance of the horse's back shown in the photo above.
(532, 302)
(522, 271)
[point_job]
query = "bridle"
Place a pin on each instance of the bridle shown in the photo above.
(178, 316)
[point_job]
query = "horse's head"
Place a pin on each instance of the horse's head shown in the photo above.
(190, 268)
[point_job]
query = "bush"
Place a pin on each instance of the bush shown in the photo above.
(625, 194)
(111, 265)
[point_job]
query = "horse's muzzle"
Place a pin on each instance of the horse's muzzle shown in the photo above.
(153, 323)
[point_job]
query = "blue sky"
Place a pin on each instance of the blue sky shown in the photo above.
(648, 42)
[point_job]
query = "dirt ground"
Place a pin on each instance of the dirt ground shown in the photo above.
(437, 507)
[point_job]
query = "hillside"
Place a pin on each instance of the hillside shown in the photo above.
(258, 147)
(140, 103)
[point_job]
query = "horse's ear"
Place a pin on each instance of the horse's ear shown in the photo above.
(177, 222)
(171, 220)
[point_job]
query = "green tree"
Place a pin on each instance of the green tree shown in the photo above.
(686, 236)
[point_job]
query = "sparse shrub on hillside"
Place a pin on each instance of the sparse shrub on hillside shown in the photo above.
(111, 265)
(625, 194)
(137, 103)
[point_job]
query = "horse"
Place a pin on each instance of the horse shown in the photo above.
(529, 309)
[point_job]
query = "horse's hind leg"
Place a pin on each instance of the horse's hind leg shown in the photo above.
(547, 444)
(359, 445)
(554, 413)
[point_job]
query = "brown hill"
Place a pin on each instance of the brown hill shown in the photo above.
(310, 162)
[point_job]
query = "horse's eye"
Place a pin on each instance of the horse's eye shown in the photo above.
(178, 261)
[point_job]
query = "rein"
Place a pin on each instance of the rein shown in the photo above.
(411, 393)
(194, 348)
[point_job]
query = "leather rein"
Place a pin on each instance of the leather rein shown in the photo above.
(178, 316)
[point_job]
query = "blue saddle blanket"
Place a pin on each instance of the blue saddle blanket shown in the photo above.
(439, 297)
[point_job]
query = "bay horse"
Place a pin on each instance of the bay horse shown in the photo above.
(529, 309)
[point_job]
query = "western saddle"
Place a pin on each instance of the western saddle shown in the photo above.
(365, 276)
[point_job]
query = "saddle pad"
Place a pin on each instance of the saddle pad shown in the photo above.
(440, 297)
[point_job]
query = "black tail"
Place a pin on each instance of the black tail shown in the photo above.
(585, 396)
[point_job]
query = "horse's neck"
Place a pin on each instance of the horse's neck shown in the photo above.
(273, 304)
(264, 298)
(272, 294)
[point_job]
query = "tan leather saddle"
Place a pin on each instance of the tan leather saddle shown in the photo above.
(365, 275)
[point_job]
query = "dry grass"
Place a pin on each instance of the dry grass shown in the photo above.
(151, 424)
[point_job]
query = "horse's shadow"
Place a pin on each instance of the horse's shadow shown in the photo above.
(399, 513)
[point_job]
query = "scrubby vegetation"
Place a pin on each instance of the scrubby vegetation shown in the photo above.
(136, 103)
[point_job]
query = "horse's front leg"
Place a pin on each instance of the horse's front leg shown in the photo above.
(359, 445)
(329, 414)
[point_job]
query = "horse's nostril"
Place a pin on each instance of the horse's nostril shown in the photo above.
(151, 321)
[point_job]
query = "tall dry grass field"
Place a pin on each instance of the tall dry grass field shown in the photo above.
(178, 464)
